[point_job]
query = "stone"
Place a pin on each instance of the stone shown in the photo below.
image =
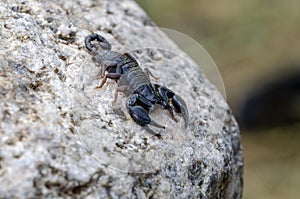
(62, 138)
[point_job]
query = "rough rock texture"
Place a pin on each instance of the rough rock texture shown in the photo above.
(61, 138)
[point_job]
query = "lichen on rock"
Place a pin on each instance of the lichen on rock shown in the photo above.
(60, 137)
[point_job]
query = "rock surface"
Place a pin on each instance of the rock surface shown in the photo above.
(61, 138)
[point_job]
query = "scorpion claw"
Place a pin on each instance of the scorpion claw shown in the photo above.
(152, 132)
(140, 116)
(180, 107)
(157, 125)
(178, 103)
(137, 108)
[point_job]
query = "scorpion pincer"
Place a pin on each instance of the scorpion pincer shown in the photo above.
(135, 83)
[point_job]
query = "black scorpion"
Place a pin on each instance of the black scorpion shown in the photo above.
(135, 83)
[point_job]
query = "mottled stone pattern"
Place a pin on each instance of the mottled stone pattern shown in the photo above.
(61, 138)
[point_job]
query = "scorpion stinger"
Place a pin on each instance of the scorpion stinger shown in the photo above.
(102, 41)
(135, 83)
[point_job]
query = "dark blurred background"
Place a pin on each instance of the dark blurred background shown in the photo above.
(256, 47)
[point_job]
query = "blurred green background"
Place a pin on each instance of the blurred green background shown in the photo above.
(256, 47)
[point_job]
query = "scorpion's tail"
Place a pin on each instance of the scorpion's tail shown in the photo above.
(105, 45)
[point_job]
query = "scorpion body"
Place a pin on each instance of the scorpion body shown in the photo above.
(135, 83)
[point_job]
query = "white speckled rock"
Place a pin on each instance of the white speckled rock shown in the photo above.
(61, 138)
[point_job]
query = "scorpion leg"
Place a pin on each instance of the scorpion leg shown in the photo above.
(109, 66)
(119, 89)
(110, 76)
(149, 73)
(178, 103)
(114, 72)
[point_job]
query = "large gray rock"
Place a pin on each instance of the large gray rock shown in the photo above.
(61, 138)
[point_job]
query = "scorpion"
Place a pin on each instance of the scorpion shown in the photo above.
(134, 83)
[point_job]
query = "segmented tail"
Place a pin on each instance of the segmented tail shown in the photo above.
(105, 45)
